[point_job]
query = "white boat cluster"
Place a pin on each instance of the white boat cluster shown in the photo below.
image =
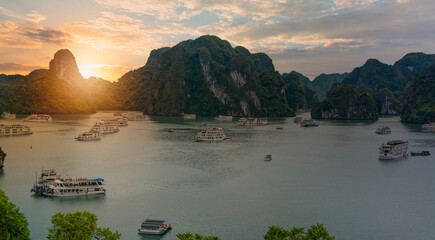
(38, 118)
(7, 115)
(133, 116)
(103, 126)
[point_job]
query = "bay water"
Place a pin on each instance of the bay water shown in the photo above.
(328, 174)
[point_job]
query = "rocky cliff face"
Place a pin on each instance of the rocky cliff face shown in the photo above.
(205, 76)
(347, 103)
(387, 103)
(419, 100)
(64, 67)
(58, 90)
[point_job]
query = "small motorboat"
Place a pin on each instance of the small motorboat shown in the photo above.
(279, 128)
(268, 157)
(422, 153)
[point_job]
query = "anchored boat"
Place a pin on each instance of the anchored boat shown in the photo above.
(52, 184)
(383, 130)
(154, 227)
(393, 150)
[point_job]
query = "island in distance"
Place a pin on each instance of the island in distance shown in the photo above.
(208, 77)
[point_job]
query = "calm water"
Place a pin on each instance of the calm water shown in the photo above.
(329, 174)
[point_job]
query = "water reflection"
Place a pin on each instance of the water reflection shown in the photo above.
(1, 173)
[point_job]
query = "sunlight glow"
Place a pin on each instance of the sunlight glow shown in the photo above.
(90, 70)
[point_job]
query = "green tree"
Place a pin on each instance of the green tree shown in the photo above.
(80, 226)
(195, 236)
(13, 224)
(315, 232)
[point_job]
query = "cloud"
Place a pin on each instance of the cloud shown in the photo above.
(115, 31)
(258, 10)
(27, 32)
(18, 68)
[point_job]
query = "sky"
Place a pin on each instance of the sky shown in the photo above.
(110, 37)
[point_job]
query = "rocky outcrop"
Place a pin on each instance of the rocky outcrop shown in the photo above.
(387, 103)
(347, 103)
(64, 67)
(58, 90)
(419, 99)
(205, 76)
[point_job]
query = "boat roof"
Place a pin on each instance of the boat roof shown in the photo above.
(395, 142)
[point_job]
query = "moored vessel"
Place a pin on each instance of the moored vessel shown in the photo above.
(14, 130)
(38, 118)
(211, 134)
(154, 227)
(383, 130)
(117, 121)
(224, 118)
(189, 116)
(421, 153)
(133, 116)
(7, 115)
(88, 136)
(103, 128)
(309, 123)
(52, 184)
(393, 150)
(252, 121)
(428, 126)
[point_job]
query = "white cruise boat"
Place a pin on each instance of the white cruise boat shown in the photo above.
(154, 227)
(88, 136)
(211, 135)
(14, 130)
(189, 116)
(38, 118)
(309, 123)
(224, 118)
(51, 184)
(117, 121)
(134, 116)
(428, 126)
(383, 130)
(104, 128)
(252, 121)
(7, 115)
(393, 150)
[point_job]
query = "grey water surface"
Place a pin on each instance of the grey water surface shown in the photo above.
(328, 174)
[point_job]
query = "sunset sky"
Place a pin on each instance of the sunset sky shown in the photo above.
(111, 37)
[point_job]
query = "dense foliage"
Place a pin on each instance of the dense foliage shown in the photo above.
(419, 100)
(414, 63)
(298, 96)
(13, 224)
(346, 102)
(314, 232)
(377, 75)
(78, 225)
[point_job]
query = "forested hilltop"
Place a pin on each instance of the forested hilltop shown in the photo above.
(205, 76)
(209, 77)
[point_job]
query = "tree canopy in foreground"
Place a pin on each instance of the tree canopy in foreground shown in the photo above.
(78, 225)
(13, 224)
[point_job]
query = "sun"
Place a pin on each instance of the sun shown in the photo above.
(90, 70)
